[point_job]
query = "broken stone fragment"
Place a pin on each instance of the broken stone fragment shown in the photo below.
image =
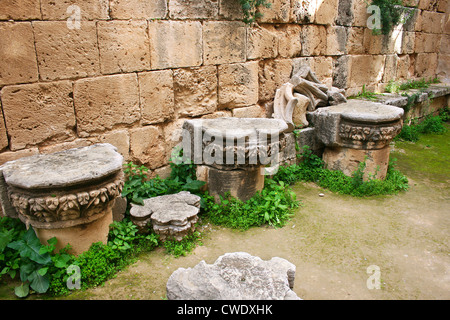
(171, 216)
(234, 276)
(303, 93)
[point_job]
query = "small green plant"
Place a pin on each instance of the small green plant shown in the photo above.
(273, 206)
(250, 9)
(365, 94)
(431, 124)
(312, 169)
(183, 247)
(391, 13)
(138, 186)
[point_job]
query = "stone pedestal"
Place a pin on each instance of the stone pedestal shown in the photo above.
(68, 195)
(233, 154)
(357, 131)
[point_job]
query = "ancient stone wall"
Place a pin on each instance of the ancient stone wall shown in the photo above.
(133, 70)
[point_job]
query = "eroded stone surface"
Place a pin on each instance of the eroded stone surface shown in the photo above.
(68, 195)
(358, 124)
(234, 276)
(63, 169)
(172, 215)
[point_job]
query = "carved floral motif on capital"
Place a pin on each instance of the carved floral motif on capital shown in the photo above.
(374, 136)
(72, 208)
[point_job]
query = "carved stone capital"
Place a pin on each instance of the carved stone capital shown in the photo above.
(62, 189)
(358, 124)
(62, 209)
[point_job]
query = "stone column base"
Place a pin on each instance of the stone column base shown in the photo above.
(80, 237)
(347, 160)
(241, 183)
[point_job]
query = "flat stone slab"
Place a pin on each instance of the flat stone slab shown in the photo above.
(364, 111)
(63, 169)
(239, 127)
(234, 276)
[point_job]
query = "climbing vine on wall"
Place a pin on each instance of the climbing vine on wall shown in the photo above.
(392, 12)
(250, 9)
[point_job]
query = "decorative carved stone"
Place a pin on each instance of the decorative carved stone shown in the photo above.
(64, 190)
(358, 124)
(234, 149)
(171, 216)
(357, 131)
(303, 93)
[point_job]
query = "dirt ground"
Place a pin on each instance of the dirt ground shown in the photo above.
(332, 240)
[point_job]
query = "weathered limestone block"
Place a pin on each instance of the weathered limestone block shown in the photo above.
(90, 9)
(355, 39)
(123, 45)
(365, 69)
(238, 84)
(234, 276)
(360, 15)
(156, 96)
(194, 9)
(273, 74)
(314, 40)
(64, 53)
(119, 139)
(345, 13)
(336, 40)
(147, 146)
(235, 151)
(137, 9)
(38, 112)
(103, 102)
(248, 112)
(347, 160)
(425, 65)
(17, 54)
(67, 194)
(262, 42)
(195, 91)
(170, 50)
(20, 10)
(443, 67)
(230, 10)
(408, 42)
(279, 11)
(241, 183)
(289, 42)
(390, 68)
(3, 134)
(326, 12)
(432, 22)
(303, 11)
(224, 42)
(403, 64)
(357, 129)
